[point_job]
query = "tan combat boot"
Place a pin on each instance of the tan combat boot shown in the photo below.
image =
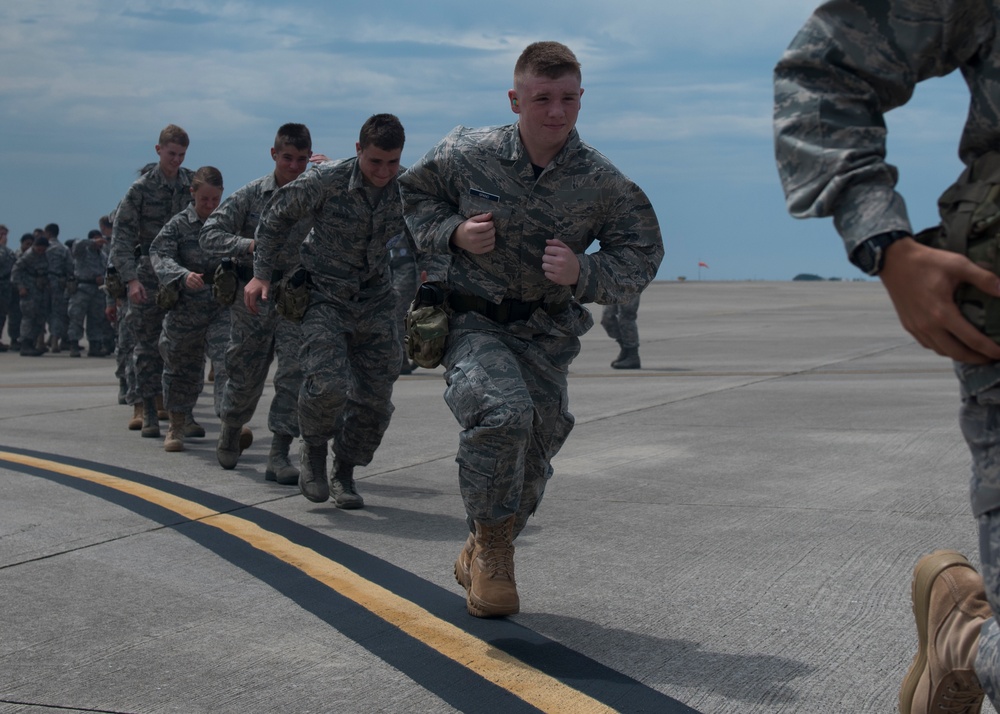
(492, 590)
(150, 423)
(950, 607)
(175, 433)
(233, 441)
(462, 575)
(161, 412)
(192, 429)
(135, 423)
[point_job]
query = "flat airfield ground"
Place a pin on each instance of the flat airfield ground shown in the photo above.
(731, 528)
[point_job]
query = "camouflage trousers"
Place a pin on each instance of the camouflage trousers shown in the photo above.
(34, 311)
(123, 353)
(980, 421)
(509, 394)
(254, 342)
(86, 307)
(619, 321)
(350, 360)
(196, 326)
(145, 322)
(58, 308)
(404, 285)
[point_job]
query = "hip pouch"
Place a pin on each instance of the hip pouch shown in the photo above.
(427, 326)
(970, 225)
(167, 296)
(114, 285)
(291, 295)
(225, 283)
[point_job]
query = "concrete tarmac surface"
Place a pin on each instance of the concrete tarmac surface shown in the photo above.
(731, 528)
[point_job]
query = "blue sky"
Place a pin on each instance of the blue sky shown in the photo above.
(678, 95)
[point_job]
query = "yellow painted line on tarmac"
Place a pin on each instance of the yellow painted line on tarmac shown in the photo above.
(529, 684)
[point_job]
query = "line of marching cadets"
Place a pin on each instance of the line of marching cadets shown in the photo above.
(487, 234)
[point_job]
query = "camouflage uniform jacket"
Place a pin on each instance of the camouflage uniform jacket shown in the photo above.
(230, 229)
(7, 260)
(60, 262)
(346, 246)
(579, 198)
(852, 62)
(89, 261)
(147, 206)
(176, 250)
(30, 266)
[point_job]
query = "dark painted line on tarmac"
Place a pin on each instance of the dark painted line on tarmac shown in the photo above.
(455, 684)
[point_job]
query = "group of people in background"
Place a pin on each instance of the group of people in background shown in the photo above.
(51, 293)
(314, 264)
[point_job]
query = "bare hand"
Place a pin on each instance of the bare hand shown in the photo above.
(194, 281)
(256, 289)
(22, 292)
(318, 159)
(921, 283)
(559, 263)
(111, 312)
(136, 292)
(476, 235)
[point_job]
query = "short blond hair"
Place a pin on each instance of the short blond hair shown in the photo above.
(173, 134)
(546, 59)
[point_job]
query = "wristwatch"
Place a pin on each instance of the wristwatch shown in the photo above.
(869, 256)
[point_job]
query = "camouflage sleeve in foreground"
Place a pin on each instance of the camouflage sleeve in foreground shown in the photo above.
(852, 62)
(147, 206)
(164, 251)
(290, 204)
(580, 198)
(228, 232)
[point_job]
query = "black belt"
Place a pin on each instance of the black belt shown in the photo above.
(509, 310)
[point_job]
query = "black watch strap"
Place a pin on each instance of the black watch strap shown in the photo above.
(869, 256)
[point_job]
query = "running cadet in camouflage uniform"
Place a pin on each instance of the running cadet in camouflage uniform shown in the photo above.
(517, 207)
(351, 355)
(31, 278)
(256, 339)
(197, 323)
(60, 274)
(87, 300)
(851, 63)
(155, 197)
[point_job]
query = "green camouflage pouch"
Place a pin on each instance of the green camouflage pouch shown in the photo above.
(970, 225)
(114, 285)
(291, 295)
(225, 283)
(167, 296)
(427, 326)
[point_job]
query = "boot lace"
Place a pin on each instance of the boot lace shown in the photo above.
(961, 698)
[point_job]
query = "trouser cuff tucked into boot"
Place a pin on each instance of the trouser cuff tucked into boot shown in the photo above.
(950, 607)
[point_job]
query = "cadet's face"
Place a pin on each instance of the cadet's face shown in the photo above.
(547, 110)
(171, 157)
(378, 166)
(289, 163)
(39, 249)
(3, 237)
(206, 200)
